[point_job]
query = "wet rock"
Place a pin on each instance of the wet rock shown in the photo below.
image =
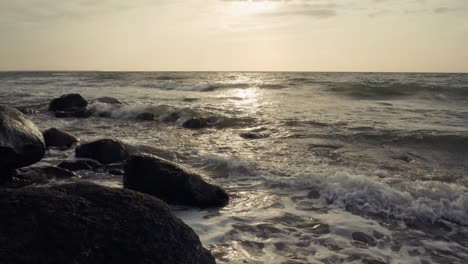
(105, 114)
(115, 172)
(78, 165)
(42, 174)
(253, 135)
(68, 102)
(105, 151)
(171, 182)
(76, 112)
(21, 142)
(372, 261)
(364, 238)
(195, 123)
(146, 116)
(58, 138)
(86, 223)
(109, 100)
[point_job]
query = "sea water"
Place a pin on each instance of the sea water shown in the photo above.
(342, 167)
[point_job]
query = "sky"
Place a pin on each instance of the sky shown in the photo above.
(235, 35)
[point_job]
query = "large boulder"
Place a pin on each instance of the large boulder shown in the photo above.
(57, 138)
(68, 102)
(87, 223)
(171, 182)
(105, 151)
(21, 142)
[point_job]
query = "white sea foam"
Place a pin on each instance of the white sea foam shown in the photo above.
(423, 200)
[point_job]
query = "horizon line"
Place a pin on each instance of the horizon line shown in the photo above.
(240, 71)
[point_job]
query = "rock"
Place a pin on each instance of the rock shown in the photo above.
(105, 114)
(109, 100)
(115, 172)
(253, 135)
(145, 116)
(87, 223)
(76, 112)
(57, 138)
(21, 142)
(68, 102)
(105, 151)
(195, 123)
(364, 238)
(42, 174)
(77, 165)
(171, 182)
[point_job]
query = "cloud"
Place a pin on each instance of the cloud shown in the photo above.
(37, 11)
(442, 10)
(311, 13)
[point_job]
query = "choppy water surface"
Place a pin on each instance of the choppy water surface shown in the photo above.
(349, 167)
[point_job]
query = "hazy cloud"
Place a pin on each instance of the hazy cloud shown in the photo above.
(442, 10)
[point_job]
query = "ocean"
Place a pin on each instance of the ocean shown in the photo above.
(320, 167)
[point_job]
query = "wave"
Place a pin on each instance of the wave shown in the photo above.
(452, 142)
(427, 201)
(389, 90)
(193, 87)
(226, 166)
(168, 114)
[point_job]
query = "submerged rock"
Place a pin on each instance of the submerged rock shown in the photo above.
(253, 135)
(105, 151)
(364, 238)
(42, 174)
(68, 102)
(109, 100)
(86, 223)
(77, 112)
(58, 138)
(171, 182)
(21, 142)
(195, 123)
(77, 165)
(105, 114)
(146, 116)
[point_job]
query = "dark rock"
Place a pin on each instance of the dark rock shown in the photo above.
(253, 135)
(86, 223)
(171, 182)
(21, 142)
(42, 174)
(115, 172)
(105, 114)
(195, 123)
(78, 165)
(68, 102)
(76, 112)
(57, 138)
(364, 238)
(145, 116)
(109, 100)
(105, 151)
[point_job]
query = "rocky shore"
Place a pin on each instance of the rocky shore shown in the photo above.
(84, 222)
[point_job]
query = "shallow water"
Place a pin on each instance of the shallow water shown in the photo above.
(348, 167)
